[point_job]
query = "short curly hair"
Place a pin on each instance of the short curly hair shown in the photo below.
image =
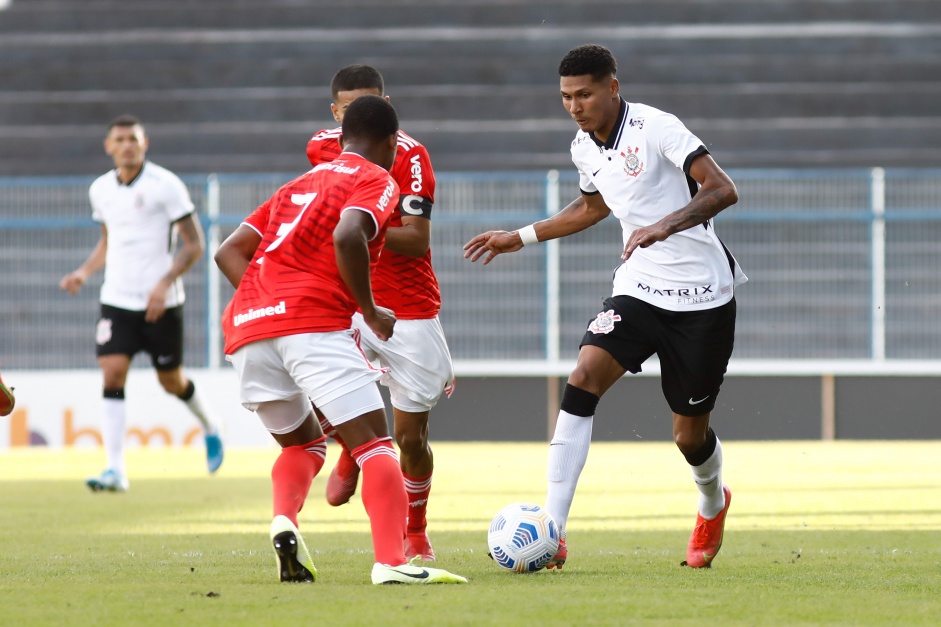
(589, 59)
(354, 77)
(370, 118)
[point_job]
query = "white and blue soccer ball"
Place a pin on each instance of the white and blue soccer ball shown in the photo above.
(523, 538)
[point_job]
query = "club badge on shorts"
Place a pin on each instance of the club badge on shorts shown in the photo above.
(604, 322)
(103, 332)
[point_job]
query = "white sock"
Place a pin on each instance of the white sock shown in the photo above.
(196, 408)
(708, 477)
(567, 454)
(113, 432)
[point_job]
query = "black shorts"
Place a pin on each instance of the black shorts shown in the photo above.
(123, 332)
(694, 347)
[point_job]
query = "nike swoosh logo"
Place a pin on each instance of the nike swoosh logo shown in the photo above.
(595, 173)
(422, 575)
(692, 402)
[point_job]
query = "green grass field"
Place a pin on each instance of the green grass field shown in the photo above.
(818, 533)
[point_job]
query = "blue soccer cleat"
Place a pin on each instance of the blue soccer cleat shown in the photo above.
(214, 452)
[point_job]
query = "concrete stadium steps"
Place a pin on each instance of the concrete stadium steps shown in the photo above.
(73, 72)
(476, 102)
(239, 86)
(279, 147)
(101, 15)
(66, 15)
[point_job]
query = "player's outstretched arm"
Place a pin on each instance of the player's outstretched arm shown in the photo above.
(236, 253)
(577, 216)
(73, 281)
(351, 244)
(716, 192)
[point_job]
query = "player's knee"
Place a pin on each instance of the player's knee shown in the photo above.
(411, 442)
(696, 447)
(180, 388)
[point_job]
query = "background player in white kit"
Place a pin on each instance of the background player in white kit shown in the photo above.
(416, 357)
(301, 266)
(673, 294)
(142, 208)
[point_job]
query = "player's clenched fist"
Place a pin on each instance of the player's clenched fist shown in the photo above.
(381, 321)
(72, 282)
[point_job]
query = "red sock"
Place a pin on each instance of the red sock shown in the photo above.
(418, 490)
(384, 499)
(292, 474)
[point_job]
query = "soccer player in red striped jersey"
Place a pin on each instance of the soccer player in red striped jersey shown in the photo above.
(417, 358)
(301, 266)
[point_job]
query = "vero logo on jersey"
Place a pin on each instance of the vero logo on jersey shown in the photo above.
(417, 179)
(255, 314)
(383, 203)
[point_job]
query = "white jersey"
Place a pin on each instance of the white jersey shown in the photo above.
(642, 172)
(140, 220)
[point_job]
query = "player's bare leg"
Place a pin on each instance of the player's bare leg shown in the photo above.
(702, 449)
(417, 462)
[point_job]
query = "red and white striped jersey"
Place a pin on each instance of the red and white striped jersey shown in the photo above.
(406, 285)
(292, 284)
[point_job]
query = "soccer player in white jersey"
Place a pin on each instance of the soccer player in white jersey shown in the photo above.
(417, 359)
(142, 208)
(673, 292)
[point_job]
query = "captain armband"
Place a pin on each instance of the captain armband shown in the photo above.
(418, 206)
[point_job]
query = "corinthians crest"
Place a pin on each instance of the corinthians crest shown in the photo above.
(604, 322)
(632, 163)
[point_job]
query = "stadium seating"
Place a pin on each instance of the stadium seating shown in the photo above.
(239, 86)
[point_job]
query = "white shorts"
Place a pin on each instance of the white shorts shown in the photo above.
(328, 368)
(417, 361)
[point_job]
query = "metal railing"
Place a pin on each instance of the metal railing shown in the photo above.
(843, 265)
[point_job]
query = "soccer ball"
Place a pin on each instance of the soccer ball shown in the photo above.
(523, 538)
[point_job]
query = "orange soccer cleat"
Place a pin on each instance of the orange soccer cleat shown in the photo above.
(706, 540)
(561, 555)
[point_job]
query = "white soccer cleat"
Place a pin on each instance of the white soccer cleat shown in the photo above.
(290, 553)
(109, 481)
(411, 574)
